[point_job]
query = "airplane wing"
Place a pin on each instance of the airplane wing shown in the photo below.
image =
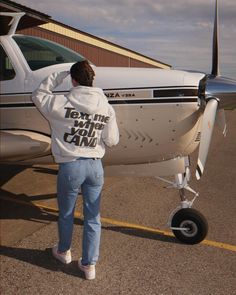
(20, 145)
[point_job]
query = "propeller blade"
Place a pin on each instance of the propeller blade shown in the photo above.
(215, 46)
(207, 129)
(221, 122)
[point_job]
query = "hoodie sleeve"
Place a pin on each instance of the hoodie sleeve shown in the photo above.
(43, 96)
(110, 134)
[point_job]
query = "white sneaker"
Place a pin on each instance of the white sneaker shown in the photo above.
(89, 270)
(64, 257)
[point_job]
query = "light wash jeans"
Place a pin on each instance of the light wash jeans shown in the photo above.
(87, 174)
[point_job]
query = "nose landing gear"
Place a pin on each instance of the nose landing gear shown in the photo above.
(188, 225)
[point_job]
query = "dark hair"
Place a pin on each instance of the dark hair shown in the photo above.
(82, 73)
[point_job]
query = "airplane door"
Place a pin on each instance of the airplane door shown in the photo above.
(11, 75)
(18, 141)
(12, 97)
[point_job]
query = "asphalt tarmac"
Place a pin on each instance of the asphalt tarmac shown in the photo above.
(138, 254)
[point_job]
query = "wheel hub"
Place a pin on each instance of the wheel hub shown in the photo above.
(189, 228)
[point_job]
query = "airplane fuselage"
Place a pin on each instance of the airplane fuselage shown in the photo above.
(158, 111)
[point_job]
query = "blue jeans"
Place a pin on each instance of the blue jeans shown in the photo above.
(87, 174)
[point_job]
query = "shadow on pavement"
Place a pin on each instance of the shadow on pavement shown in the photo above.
(44, 258)
(142, 234)
(27, 210)
(33, 213)
(41, 258)
(17, 211)
(24, 197)
(9, 171)
(44, 170)
(12, 170)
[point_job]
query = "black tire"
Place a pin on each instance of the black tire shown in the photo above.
(197, 223)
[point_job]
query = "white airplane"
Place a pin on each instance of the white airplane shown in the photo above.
(163, 115)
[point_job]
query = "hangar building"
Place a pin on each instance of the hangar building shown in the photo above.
(99, 51)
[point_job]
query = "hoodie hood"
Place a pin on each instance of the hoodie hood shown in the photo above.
(87, 100)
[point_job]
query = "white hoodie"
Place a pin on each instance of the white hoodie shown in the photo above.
(82, 121)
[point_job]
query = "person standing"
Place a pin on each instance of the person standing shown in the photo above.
(82, 123)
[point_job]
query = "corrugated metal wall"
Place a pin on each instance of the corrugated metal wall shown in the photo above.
(98, 56)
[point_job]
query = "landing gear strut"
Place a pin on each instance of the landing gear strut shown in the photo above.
(188, 225)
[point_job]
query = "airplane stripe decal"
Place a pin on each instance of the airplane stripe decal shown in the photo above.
(175, 92)
(17, 105)
(113, 102)
(153, 101)
(154, 88)
(144, 95)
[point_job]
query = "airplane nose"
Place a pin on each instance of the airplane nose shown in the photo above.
(222, 88)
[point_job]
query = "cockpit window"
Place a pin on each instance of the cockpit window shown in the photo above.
(40, 53)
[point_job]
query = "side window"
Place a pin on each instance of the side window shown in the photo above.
(40, 53)
(6, 69)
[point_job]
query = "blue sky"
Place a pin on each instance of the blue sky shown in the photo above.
(177, 32)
